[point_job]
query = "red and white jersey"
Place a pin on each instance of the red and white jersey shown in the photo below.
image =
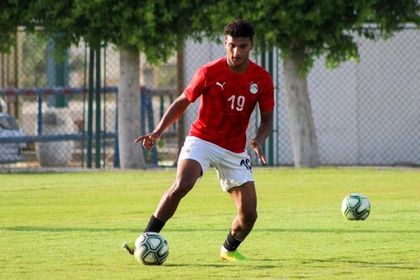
(227, 102)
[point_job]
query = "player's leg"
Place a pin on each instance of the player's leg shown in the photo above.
(192, 163)
(187, 174)
(245, 200)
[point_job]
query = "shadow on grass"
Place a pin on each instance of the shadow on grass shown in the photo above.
(389, 265)
(334, 261)
(97, 229)
(66, 229)
(197, 265)
(198, 229)
(249, 263)
(333, 230)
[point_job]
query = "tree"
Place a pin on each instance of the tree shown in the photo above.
(7, 25)
(305, 30)
(153, 27)
(9, 20)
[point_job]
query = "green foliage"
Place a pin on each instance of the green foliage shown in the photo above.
(9, 20)
(71, 226)
(314, 28)
(152, 26)
(155, 27)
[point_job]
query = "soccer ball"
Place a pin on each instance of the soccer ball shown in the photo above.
(151, 248)
(355, 206)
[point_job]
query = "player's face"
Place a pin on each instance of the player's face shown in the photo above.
(237, 52)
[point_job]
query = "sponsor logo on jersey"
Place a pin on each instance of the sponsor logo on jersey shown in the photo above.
(253, 88)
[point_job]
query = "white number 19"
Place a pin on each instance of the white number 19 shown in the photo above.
(237, 103)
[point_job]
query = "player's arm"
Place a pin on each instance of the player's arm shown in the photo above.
(175, 110)
(264, 130)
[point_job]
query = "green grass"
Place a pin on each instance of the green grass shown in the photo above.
(71, 226)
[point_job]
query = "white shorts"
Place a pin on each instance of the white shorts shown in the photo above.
(233, 169)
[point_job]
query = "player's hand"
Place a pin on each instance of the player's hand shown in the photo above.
(258, 150)
(147, 140)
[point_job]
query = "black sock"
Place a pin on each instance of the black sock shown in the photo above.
(231, 243)
(154, 225)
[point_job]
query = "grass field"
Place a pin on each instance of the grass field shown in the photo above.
(71, 226)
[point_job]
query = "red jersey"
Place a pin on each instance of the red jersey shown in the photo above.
(227, 102)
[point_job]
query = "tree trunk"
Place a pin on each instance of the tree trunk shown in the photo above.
(131, 155)
(299, 113)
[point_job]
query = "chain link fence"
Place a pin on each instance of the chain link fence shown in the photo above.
(365, 113)
(368, 113)
(47, 120)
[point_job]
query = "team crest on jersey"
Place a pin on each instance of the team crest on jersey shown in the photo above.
(253, 88)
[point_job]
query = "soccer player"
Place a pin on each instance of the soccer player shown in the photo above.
(229, 88)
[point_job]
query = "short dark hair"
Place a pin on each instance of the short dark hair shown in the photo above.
(239, 28)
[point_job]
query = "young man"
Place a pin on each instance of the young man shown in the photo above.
(229, 88)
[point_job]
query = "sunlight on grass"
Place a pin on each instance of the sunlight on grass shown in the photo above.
(71, 226)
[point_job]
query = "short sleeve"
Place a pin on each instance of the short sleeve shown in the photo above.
(196, 86)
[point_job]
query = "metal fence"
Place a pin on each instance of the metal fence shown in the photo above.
(47, 92)
(368, 113)
(365, 113)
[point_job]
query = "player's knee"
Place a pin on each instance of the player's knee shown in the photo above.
(181, 187)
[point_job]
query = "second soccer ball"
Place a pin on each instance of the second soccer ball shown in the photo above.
(355, 206)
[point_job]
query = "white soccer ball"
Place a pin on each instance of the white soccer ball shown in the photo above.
(151, 248)
(355, 207)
